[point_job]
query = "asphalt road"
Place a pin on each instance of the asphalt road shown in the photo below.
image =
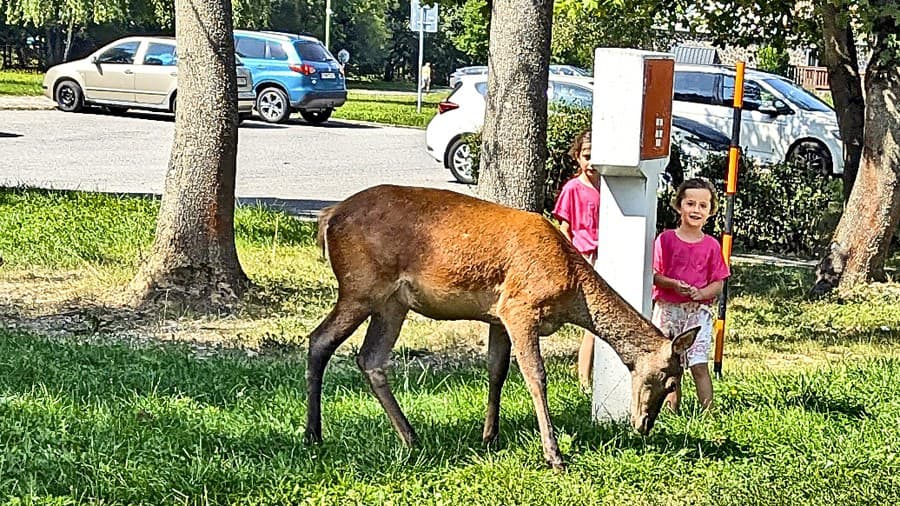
(296, 165)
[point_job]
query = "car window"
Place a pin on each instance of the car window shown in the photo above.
(798, 96)
(121, 54)
(697, 87)
(160, 54)
(312, 51)
(276, 52)
(754, 94)
(571, 94)
(249, 47)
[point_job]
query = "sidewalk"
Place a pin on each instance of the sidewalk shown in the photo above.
(29, 103)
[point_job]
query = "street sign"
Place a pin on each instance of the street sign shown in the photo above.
(423, 17)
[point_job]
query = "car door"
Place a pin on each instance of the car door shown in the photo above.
(762, 135)
(252, 52)
(110, 77)
(156, 76)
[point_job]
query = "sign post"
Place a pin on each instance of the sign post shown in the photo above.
(422, 18)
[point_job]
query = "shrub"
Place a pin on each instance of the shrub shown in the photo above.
(564, 123)
(780, 208)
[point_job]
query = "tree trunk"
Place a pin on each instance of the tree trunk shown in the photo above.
(840, 57)
(514, 140)
(193, 260)
(863, 236)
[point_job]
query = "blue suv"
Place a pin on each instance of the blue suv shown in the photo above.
(291, 73)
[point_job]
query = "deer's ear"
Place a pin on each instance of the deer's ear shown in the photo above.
(681, 343)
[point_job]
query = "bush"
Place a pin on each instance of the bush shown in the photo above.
(563, 125)
(780, 208)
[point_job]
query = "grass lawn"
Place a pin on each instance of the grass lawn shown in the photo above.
(99, 404)
(14, 82)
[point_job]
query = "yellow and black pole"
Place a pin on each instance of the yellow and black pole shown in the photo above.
(734, 156)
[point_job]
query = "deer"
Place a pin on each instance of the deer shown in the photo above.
(449, 256)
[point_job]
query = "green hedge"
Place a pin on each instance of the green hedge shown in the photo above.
(780, 209)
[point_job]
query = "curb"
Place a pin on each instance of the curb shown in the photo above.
(25, 103)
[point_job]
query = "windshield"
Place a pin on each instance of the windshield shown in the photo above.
(798, 96)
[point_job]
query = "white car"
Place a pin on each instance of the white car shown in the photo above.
(780, 121)
(130, 73)
(463, 113)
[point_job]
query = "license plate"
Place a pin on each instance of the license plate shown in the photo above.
(327, 75)
(242, 81)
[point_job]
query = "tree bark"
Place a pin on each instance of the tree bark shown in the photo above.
(863, 236)
(514, 140)
(840, 57)
(193, 261)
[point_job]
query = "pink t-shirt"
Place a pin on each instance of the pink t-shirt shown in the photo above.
(697, 263)
(578, 205)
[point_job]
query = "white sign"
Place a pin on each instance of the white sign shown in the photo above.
(423, 17)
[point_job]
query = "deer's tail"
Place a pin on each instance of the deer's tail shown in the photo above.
(322, 234)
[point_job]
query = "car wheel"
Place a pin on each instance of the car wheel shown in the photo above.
(459, 159)
(813, 156)
(272, 105)
(69, 97)
(316, 117)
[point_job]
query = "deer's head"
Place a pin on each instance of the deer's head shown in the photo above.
(654, 377)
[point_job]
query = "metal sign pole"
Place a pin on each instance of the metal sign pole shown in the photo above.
(421, 58)
(328, 24)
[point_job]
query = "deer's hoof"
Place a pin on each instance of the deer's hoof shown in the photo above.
(312, 437)
(558, 465)
(489, 438)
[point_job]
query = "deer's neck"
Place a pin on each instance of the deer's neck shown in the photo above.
(612, 319)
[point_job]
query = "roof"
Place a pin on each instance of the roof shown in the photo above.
(276, 35)
(696, 54)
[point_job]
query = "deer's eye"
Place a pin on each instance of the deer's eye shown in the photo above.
(671, 384)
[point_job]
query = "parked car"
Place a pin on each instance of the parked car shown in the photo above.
(569, 70)
(291, 73)
(780, 120)
(130, 73)
(466, 71)
(463, 113)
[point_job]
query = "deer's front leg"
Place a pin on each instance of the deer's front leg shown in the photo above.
(498, 368)
(524, 335)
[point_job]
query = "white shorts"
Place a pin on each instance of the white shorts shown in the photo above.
(675, 318)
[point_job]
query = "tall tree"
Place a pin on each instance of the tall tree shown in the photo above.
(514, 148)
(862, 239)
(193, 260)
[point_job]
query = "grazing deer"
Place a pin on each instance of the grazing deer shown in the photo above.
(453, 257)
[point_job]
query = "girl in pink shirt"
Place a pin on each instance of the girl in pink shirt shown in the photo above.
(578, 210)
(688, 274)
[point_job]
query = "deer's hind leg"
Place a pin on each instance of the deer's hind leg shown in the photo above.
(373, 358)
(498, 368)
(346, 316)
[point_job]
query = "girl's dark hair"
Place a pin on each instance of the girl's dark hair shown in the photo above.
(697, 183)
(575, 151)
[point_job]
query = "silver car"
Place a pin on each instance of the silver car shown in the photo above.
(134, 72)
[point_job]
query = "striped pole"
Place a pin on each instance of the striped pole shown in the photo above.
(734, 155)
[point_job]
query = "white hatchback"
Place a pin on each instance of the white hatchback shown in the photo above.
(463, 113)
(780, 121)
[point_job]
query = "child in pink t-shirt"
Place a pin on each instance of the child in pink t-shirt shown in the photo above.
(688, 274)
(578, 211)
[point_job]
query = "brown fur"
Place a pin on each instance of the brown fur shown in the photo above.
(450, 256)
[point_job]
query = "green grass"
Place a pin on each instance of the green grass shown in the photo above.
(14, 82)
(807, 412)
(389, 109)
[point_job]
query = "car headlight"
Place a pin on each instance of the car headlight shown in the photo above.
(242, 81)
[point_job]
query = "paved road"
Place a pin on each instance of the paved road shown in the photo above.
(298, 165)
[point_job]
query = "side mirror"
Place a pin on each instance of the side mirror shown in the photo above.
(343, 56)
(775, 107)
(95, 60)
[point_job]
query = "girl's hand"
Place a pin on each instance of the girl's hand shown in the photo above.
(697, 294)
(684, 289)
